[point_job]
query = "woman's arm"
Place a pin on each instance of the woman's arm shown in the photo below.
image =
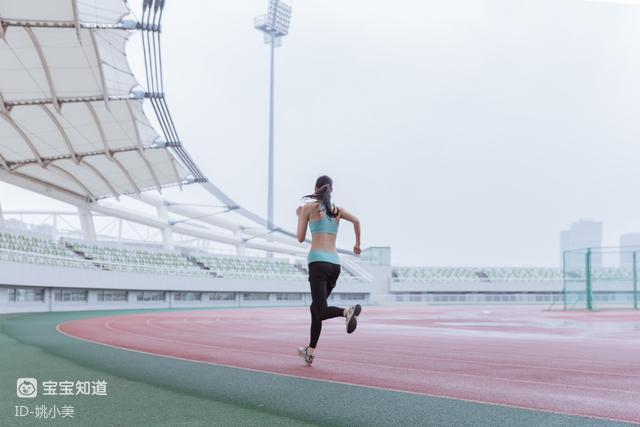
(356, 227)
(303, 219)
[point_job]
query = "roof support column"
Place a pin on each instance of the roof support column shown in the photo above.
(86, 222)
(3, 105)
(1, 217)
(54, 232)
(119, 230)
(167, 233)
(240, 249)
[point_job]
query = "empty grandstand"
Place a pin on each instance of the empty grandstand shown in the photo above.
(93, 274)
(223, 278)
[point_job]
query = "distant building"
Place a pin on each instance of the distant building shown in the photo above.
(580, 235)
(627, 240)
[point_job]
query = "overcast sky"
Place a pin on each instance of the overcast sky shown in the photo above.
(461, 132)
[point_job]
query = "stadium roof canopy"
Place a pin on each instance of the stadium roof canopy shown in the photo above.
(68, 116)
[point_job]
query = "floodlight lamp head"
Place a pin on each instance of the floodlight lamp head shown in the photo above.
(275, 24)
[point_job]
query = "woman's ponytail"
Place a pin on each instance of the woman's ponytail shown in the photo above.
(324, 187)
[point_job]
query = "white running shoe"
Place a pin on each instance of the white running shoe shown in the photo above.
(308, 358)
(352, 317)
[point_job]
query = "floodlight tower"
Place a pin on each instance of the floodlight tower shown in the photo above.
(274, 25)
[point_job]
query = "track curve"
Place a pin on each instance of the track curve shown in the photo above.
(572, 363)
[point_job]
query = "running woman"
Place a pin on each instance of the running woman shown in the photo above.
(323, 218)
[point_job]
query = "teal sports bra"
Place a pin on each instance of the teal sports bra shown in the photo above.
(326, 224)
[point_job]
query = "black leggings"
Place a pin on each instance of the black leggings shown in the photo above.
(322, 278)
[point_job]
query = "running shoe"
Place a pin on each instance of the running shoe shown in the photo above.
(352, 317)
(308, 358)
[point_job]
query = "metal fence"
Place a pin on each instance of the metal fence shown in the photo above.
(599, 278)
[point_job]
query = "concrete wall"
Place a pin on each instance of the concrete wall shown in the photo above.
(240, 299)
(496, 286)
(51, 278)
(21, 274)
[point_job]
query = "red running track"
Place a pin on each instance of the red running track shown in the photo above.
(573, 363)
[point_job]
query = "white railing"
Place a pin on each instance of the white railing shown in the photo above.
(357, 271)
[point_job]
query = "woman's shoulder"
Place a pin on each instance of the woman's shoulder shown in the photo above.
(310, 206)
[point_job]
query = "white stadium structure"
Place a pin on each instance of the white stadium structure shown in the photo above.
(73, 127)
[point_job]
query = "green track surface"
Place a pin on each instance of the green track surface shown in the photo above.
(156, 391)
